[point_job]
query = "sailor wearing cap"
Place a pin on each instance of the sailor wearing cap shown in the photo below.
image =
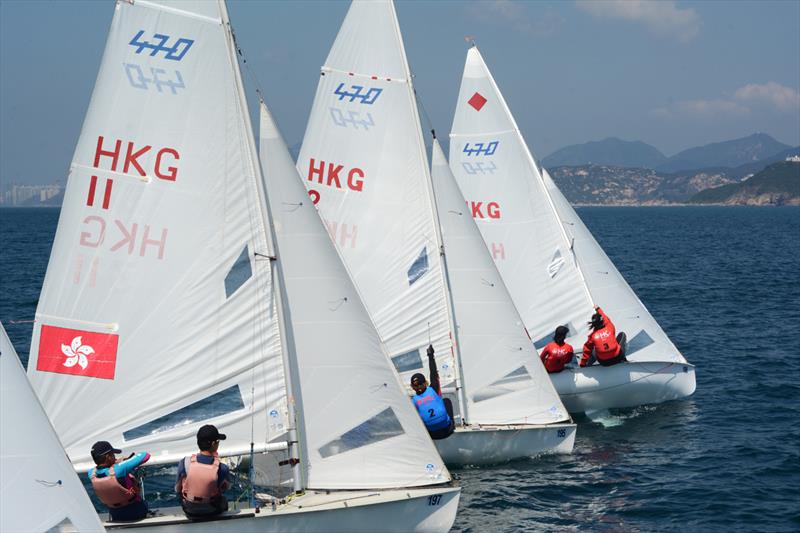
(202, 478)
(115, 484)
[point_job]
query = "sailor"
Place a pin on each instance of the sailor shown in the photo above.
(202, 478)
(114, 483)
(436, 412)
(603, 343)
(557, 353)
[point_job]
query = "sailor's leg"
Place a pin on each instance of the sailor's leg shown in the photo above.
(622, 340)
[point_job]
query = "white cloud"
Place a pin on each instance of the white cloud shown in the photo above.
(663, 17)
(770, 96)
(771, 93)
(515, 15)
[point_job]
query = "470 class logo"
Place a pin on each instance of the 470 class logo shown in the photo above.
(176, 52)
(357, 93)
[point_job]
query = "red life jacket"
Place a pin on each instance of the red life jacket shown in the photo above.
(200, 483)
(605, 343)
(111, 492)
(555, 357)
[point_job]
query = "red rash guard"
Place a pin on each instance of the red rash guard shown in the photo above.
(603, 341)
(555, 356)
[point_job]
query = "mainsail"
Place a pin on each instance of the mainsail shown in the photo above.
(364, 164)
(156, 314)
(506, 383)
(359, 429)
(554, 269)
(40, 490)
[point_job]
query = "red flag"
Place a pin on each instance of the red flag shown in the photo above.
(77, 352)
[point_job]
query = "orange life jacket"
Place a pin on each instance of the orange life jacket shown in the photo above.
(605, 343)
(200, 483)
(555, 357)
(111, 492)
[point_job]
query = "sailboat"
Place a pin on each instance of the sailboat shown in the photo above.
(40, 490)
(364, 162)
(555, 270)
(174, 298)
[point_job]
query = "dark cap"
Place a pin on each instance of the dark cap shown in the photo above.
(418, 377)
(208, 434)
(102, 448)
(561, 332)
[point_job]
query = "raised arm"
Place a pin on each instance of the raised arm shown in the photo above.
(433, 371)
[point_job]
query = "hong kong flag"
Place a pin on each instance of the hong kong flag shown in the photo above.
(77, 352)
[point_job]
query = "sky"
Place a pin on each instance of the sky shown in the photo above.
(674, 74)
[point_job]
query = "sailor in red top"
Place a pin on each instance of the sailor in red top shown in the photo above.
(557, 353)
(603, 343)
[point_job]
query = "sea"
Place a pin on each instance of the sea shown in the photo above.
(723, 282)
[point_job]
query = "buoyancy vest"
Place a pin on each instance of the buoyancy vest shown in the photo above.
(111, 492)
(200, 484)
(555, 357)
(432, 410)
(605, 343)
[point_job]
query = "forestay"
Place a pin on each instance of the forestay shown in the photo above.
(156, 314)
(363, 162)
(556, 272)
(359, 429)
(40, 490)
(504, 379)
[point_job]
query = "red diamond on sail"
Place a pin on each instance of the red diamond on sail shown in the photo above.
(477, 101)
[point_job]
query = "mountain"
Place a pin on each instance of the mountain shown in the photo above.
(752, 168)
(724, 154)
(778, 184)
(610, 151)
(612, 185)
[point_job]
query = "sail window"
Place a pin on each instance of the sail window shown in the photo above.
(382, 426)
(544, 341)
(555, 264)
(406, 362)
(419, 267)
(239, 273)
(509, 383)
(639, 341)
(220, 403)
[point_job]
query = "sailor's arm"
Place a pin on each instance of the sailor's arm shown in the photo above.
(433, 371)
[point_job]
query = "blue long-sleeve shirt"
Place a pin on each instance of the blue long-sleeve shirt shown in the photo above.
(123, 468)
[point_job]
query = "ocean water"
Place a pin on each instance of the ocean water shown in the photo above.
(723, 282)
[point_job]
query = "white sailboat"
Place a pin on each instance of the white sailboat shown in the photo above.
(553, 267)
(363, 161)
(39, 490)
(169, 303)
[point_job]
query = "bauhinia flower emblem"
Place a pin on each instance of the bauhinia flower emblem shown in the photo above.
(77, 353)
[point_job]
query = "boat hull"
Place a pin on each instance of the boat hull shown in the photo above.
(484, 445)
(422, 509)
(624, 385)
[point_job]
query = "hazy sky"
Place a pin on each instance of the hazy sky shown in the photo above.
(672, 74)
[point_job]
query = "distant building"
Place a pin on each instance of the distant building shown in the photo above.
(15, 195)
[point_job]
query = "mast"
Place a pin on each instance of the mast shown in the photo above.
(459, 374)
(287, 345)
(532, 162)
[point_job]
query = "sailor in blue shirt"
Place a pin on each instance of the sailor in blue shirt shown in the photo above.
(436, 412)
(115, 484)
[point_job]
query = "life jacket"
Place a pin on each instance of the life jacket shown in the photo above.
(605, 343)
(555, 357)
(432, 410)
(200, 484)
(111, 492)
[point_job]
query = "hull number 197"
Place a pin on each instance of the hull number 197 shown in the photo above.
(436, 499)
